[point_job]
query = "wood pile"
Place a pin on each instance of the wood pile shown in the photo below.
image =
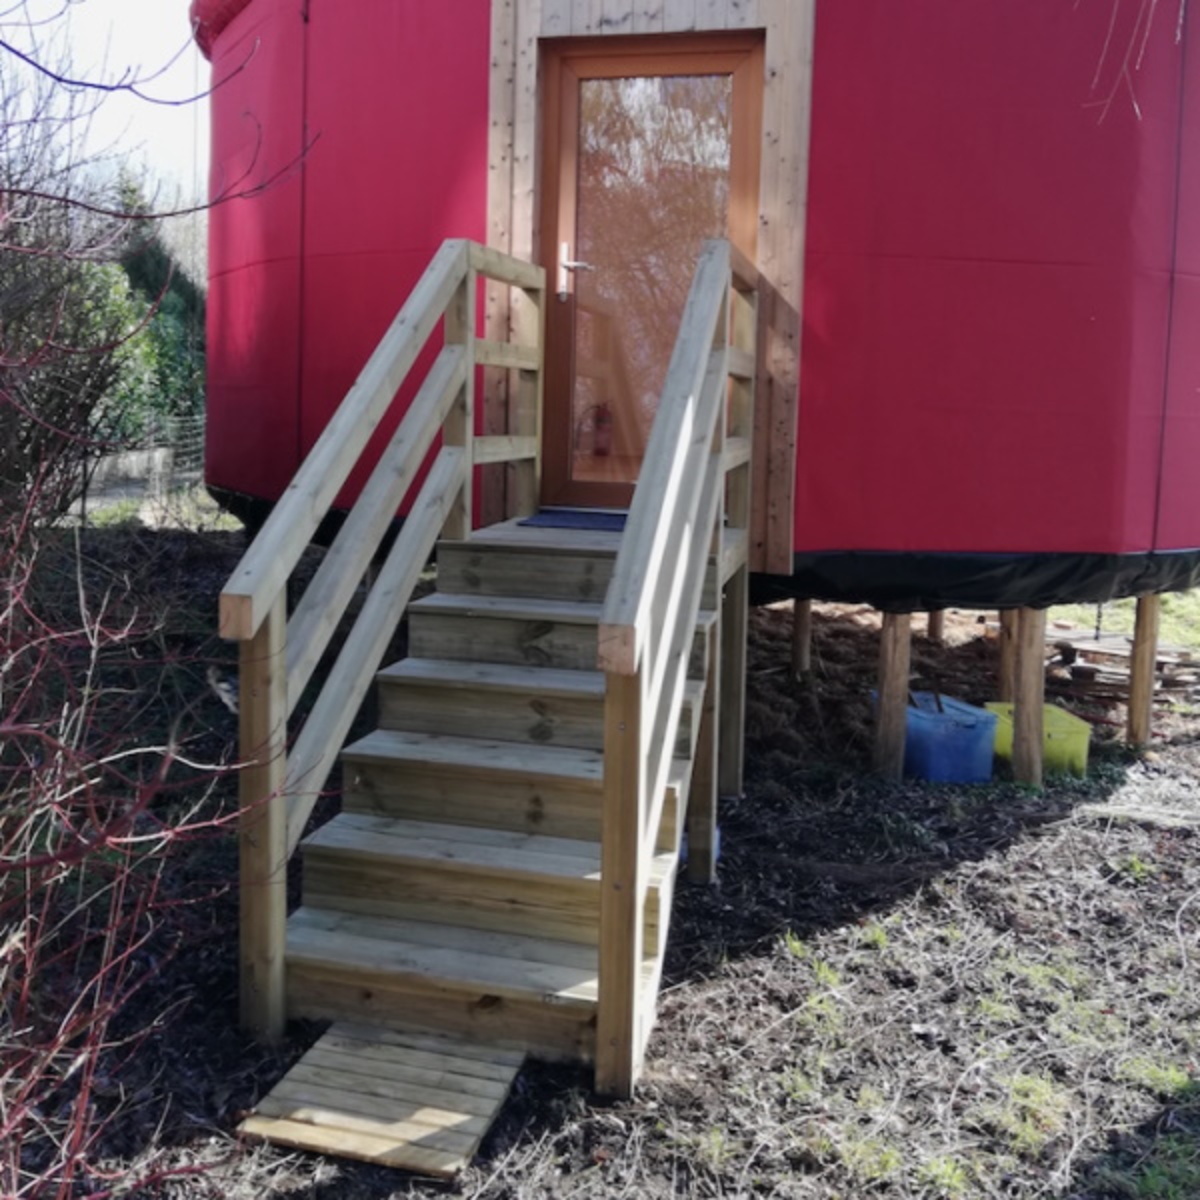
(1081, 664)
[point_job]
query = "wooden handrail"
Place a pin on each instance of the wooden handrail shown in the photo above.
(293, 521)
(279, 657)
(688, 522)
(662, 489)
(320, 742)
(327, 596)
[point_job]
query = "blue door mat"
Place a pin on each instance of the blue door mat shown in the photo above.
(603, 519)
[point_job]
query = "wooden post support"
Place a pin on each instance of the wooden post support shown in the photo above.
(891, 723)
(936, 629)
(622, 888)
(262, 824)
(525, 418)
(703, 795)
(1142, 671)
(732, 729)
(1007, 671)
(1029, 695)
(459, 429)
(801, 638)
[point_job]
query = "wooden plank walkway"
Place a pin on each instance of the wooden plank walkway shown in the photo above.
(417, 1101)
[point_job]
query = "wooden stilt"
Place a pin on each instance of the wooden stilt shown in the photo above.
(802, 638)
(895, 649)
(1142, 671)
(1029, 692)
(937, 626)
(1006, 681)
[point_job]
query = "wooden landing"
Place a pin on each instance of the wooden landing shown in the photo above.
(415, 1101)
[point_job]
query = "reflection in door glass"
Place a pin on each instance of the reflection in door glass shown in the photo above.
(653, 182)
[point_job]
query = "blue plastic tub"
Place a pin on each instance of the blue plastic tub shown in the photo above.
(952, 746)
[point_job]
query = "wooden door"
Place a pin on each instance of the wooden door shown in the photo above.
(650, 146)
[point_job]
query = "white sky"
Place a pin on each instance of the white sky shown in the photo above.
(107, 40)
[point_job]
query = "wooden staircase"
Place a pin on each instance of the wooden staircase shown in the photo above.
(499, 880)
(459, 889)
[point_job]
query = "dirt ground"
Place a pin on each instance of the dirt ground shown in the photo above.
(902, 990)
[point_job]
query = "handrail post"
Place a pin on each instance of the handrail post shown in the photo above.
(623, 883)
(262, 824)
(459, 429)
(743, 327)
(529, 328)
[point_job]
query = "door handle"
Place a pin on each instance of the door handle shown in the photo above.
(566, 264)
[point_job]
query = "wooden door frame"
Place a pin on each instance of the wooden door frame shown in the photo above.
(518, 26)
(564, 64)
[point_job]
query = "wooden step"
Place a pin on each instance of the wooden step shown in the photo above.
(505, 702)
(506, 629)
(396, 1098)
(531, 994)
(486, 879)
(499, 566)
(551, 790)
(550, 564)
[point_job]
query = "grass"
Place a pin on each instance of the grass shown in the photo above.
(1179, 620)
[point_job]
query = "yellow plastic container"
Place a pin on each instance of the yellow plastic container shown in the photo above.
(1066, 738)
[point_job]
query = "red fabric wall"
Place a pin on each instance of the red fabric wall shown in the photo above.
(400, 165)
(386, 118)
(1002, 280)
(988, 282)
(254, 251)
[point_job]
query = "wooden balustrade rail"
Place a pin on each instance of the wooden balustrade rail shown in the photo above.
(278, 656)
(688, 525)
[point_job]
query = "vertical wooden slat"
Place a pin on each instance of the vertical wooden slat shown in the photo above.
(744, 333)
(712, 14)
(1142, 671)
(525, 127)
(1007, 671)
(648, 16)
(501, 102)
(734, 617)
(616, 16)
(704, 793)
(679, 16)
(556, 18)
(783, 203)
(529, 328)
(459, 429)
(1029, 694)
(744, 14)
(622, 887)
(936, 629)
(801, 638)
(262, 824)
(891, 723)
(585, 17)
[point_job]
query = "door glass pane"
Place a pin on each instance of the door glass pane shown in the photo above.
(653, 184)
